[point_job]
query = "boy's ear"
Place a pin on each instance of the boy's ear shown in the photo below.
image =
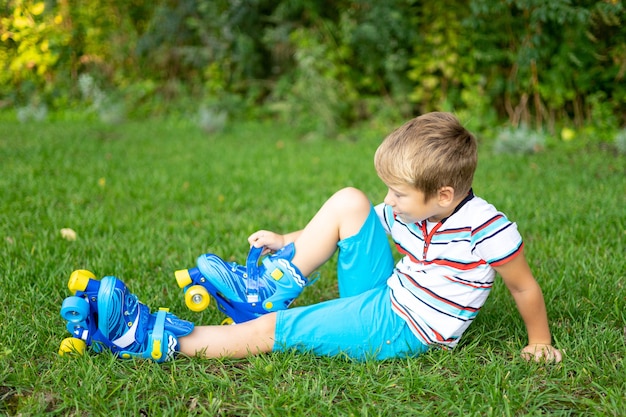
(446, 196)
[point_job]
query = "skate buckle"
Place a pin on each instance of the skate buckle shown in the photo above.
(277, 274)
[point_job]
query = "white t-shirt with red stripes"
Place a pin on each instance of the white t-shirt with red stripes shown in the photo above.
(446, 273)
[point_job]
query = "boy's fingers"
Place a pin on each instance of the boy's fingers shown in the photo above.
(256, 238)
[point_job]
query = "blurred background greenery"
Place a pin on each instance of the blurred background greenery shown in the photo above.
(556, 66)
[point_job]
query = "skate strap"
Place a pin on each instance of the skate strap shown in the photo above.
(157, 335)
(253, 273)
(154, 347)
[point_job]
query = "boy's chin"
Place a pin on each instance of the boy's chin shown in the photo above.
(405, 219)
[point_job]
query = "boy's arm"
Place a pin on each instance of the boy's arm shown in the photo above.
(519, 279)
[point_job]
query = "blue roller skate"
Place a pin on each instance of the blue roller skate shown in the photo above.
(243, 292)
(110, 317)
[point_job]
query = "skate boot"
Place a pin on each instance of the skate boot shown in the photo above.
(243, 292)
(116, 320)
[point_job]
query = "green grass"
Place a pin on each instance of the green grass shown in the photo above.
(147, 198)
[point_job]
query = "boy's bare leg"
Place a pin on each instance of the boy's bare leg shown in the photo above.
(341, 216)
(238, 341)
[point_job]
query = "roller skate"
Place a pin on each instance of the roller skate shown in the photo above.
(243, 292)
(105, 315)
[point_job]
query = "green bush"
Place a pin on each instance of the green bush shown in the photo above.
(321, 64)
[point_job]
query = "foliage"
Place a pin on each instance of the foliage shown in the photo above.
(30, 46)
(212, 120)
(549, 56)
(620, 141)
(320, 64)
(519, 140)
(32, 112)
(109, 109)
(320, 85)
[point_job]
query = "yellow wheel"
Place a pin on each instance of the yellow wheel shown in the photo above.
(182, 278)
(79, 280)
(197, 298)
(227, 321)
(72, 345)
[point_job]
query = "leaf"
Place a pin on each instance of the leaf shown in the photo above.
(21, 22)
(38, 8)
(68, 234)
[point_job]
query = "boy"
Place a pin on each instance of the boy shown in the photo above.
(452, 241)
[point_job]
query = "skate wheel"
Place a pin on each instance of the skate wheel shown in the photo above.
(75, 309)
(197, 298)
(227, 321)
(72, 345)
(79, 279)
(182, 278)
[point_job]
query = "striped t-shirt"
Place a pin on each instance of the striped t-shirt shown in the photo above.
(446, 273)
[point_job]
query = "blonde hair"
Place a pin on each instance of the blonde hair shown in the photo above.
(429, 152)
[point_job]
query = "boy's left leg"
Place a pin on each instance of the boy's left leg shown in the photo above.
(282, 276)
(364, 262)
(340, 217)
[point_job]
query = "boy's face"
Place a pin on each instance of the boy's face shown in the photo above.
(409, 204)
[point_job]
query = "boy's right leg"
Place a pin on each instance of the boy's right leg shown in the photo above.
(105, 314)
(128, 328)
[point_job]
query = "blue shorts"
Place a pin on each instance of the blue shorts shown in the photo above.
(360, 324)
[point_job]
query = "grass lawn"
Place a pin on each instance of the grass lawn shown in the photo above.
(145, 199)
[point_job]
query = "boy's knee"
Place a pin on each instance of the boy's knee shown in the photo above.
(352, 207)
(351, 197)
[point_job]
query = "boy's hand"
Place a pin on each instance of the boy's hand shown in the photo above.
(541, 352)
(269, 240)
